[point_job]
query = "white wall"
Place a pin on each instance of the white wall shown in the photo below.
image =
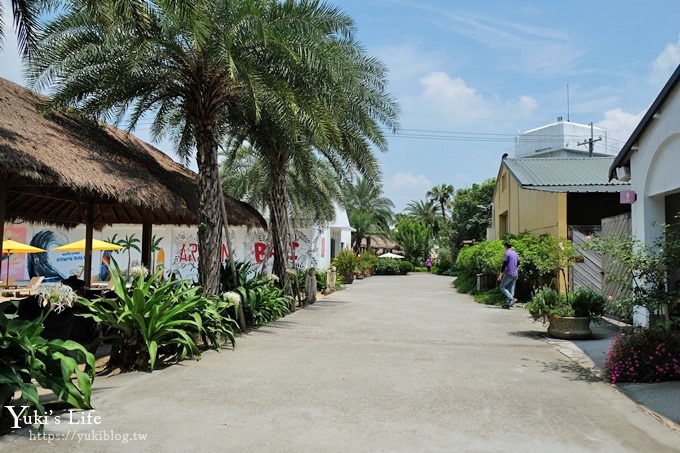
(179, 245)
(551, 139)
(655, 173)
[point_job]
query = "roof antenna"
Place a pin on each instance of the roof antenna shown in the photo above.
(567, 103)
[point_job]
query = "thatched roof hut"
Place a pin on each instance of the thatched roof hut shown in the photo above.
(53, 166)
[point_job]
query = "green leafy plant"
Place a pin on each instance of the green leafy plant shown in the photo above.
(262, 300)
(387, 266)
(583, 302)
(151, 317)
(405, 267)
(346, 262)
(367, 262)
(217, 319)
(587, 303)
(26, 358)
(645, 267)
(542, 260)
(321, 281)
(414, 237)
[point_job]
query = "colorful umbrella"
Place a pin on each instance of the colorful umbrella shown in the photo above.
(80, 245)
(9, 246)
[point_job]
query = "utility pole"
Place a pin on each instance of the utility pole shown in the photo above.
(590, 142)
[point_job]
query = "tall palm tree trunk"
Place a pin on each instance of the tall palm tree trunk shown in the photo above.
(232, 265)
(210, 212)
(279, 220)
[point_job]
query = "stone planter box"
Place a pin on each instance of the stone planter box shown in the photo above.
(568, 328)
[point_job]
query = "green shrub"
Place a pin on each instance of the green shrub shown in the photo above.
(540, 260)
(263, 303)
(367, 262)
(387, 266)
(262, 300)
(244, 269)
(466, 284)
(346, 262)
(586, 302)
(26, 358)
(405, 267)
(443, 265)
(582, 302)
(321, 280)
(490, 297)
(150, 318)
(546, 301)
(643, 355)
(218, 319)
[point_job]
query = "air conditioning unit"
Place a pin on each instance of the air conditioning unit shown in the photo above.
(623, 173)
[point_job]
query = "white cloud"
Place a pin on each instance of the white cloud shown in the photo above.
(664, 65)
(405, 181)
(407, 63)
(528, 103)
(444, 100)
(526, 48)
(619, 125)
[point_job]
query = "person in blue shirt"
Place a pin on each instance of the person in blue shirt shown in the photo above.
(508, 275)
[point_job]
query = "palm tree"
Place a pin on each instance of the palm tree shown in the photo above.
(312, 191)
(26, 14)
(129, 243)
(442, 194)
(426, 213)
(331, 107)
(196, 71)
(369, 212)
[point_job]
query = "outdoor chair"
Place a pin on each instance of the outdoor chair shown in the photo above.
(30, 288)
(9, 287)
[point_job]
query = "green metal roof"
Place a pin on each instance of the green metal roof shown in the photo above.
(568, 174)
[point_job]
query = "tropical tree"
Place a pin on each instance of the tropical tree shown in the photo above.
(369, 212)
(26, 14)
(333, 108)
(471, 214)
(414, 237)
(426, 213)
(441, 194)
(129, 243)
(312, 194)
(284, 75)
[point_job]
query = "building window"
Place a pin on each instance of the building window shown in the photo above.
(502, 224)
(504, 182)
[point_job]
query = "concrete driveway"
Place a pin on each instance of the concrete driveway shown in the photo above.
(390, 364)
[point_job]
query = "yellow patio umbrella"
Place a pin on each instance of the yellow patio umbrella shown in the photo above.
(9, 246)
(80, 245)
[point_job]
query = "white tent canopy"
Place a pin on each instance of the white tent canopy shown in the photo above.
(390, 255)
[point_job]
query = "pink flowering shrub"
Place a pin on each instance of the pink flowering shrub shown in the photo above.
(641, 355)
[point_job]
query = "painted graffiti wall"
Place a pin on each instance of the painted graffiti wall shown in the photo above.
(175, 250)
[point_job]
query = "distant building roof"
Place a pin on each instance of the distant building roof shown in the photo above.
(574, 174)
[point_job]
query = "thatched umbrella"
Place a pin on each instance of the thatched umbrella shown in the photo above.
(63, 169)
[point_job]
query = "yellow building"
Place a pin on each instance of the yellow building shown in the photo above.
(554, 196)
(549, 195)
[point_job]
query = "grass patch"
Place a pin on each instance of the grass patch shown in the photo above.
(490, 297)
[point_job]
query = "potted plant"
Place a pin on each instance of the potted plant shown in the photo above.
(346, 263)
(568, 314)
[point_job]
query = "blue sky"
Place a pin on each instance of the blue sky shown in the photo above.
(469, 76)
